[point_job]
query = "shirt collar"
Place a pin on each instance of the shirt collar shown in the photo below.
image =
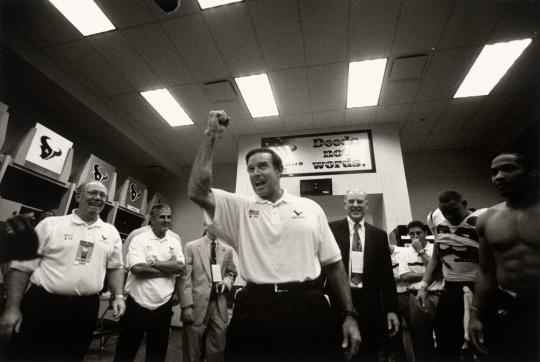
(209, 241)
(352, 222)
(285, 198)
(76, 219)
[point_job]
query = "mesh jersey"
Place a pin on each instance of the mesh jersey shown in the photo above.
(457, 245)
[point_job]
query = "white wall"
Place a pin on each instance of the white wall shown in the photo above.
(431, 172)
(389, 180)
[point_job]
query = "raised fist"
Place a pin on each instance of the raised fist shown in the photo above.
(217, 122)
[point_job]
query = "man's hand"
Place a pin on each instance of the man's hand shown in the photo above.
(421, 299)
(217, 122)
(187, 315)
(417, 245)
(392, 322)
(10, 322)
(119, 307)
(476, 334)
(351, 337)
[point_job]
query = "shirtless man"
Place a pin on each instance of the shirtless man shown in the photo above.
(505, 309)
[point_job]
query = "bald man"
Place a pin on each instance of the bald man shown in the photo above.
(366, 256)
(506, 303)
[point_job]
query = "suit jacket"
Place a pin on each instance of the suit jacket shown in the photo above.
(378, 277)
(196, 279)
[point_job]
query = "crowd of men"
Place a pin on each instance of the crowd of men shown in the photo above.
(314, 290)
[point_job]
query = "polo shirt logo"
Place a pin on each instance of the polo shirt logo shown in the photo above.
(297, 215)
(253, 214)
(68, 236)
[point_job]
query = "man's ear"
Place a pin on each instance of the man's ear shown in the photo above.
(464, 203)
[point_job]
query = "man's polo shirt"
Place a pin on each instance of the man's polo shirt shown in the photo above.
(411, 262)
(151, 293)
(75, 255)
(285, 241)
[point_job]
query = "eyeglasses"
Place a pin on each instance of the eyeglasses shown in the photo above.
(95, 193)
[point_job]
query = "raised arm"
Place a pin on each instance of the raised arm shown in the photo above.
(200, 180)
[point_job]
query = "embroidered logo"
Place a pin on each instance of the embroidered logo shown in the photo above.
(297, 215)
(253, 214)
(68, 236)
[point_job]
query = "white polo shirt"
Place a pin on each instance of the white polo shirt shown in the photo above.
(75, 255)
(411, 262)
(151, 293)
(285, 241)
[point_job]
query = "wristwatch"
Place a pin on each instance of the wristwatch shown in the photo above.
(421, 252)
(350, 313)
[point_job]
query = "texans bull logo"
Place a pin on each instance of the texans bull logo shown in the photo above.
(46, 150)
(98, 176)
(133, 193)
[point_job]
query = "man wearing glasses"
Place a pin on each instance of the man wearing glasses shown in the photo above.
(55, 318)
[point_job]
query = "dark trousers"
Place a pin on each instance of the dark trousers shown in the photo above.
(54, 327)
(449, 329)
(136, 321)
(293, 325)
(371, 321)
(512, 330)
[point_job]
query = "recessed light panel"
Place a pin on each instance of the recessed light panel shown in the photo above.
(258, 95)
(205, 4)
(85, 15)
(165, 104)
(490, 66)
(365, 82)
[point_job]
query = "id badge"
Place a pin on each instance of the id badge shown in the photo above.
(84, 252)
(357, 261)
(216, 273)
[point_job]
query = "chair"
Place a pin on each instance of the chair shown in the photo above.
(105, 328)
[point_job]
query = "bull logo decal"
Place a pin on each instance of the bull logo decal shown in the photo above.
(46, 150)
(133, 193)
(98, 176)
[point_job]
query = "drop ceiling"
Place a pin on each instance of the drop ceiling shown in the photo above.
(304, 46)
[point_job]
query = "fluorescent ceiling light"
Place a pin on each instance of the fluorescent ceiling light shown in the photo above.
(85, 15)
(365, 82)
(258, 95)
(164, 103)
(205, 4)
(490, 66)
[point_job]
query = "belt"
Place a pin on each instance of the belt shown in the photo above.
(282, 287)
(429, 292)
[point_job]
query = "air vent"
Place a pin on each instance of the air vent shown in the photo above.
(408, 67)
(220, 91)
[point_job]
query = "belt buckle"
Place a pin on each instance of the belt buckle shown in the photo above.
(277, 289)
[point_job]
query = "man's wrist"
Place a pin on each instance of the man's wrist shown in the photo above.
(118, 296)
(421, 252)
(187, 307)
(423, 285)
(350, 313)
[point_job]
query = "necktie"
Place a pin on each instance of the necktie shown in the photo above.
(356, 278)
(213, 261)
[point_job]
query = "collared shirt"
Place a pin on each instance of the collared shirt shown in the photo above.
(410, 261)
(362, 234)
(285, 241)
(398, 257)
(75, 255)
(151, 293)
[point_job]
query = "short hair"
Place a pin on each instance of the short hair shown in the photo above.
(156, 209)
(83, 185)
(355, 191)
(450, 195)
(528, 162)
(416, 224)
(276, 160)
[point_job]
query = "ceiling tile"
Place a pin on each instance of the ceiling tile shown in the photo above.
(420, 26)
(492, 111)
(466, 139)
(447, 70)
(437, 141)
(126, 13)
(235, 38)
(372, 25)
(521, 19)
(291, 91)
(396, 92)
(235, 109)
(94, 66)
(470, 24)
(392, 113)
(412, 142)
(329, 119)
(328, 86)
(228, 155)
(296, 122)
(242, 127)
(269, 124)
(194, 100)
(408, 67)
(278, 28)
(190, 134)
(357, 116)
(194, 42)
(324, 25)
(122, 57)
(458, 112)
(139, 108)
(422, 117)
(159, 53)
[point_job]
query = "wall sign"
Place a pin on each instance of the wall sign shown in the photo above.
(134, 197)
(48, 149)
(324, 153)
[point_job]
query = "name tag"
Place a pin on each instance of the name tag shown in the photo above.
(216, 273)
(357, 261)
(84, 252)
